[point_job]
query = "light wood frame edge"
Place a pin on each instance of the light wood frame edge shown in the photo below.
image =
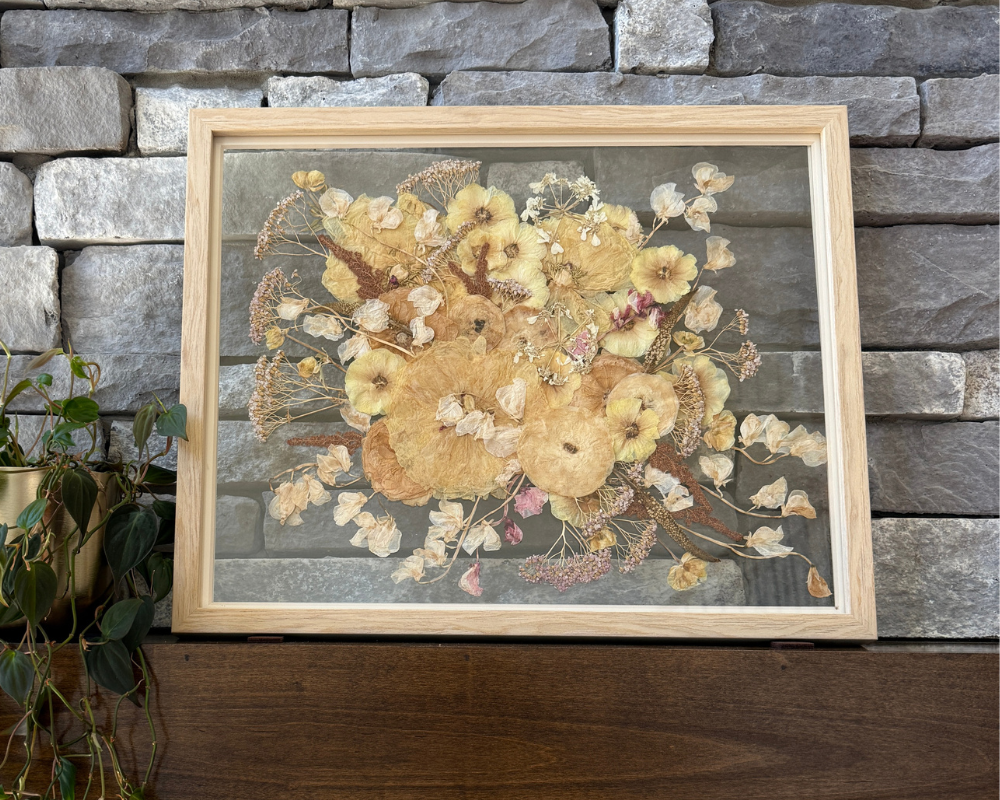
(823, 128)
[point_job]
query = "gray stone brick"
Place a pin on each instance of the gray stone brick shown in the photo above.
(124, 299)
(927, 286)
(918, 385)
(243, 459)
(548, 35)
(15, 206)
(236, 523)
(936, 578)
(514, 177)
(159, 6)
(235, 387)
(663, 36)
(882, 111)
(85, 201)
(982, 385)
(127, 382)
(366, 580)
(901, 186)
(57, 110)
(238, 41)
(406, 89)
(842, 39)
(959, 112)
(30, 277)
(947, 468)
(161, 115)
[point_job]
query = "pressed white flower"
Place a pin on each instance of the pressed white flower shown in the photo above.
(383, 215)
(335, 203)
(678, 498)
(289, 501)
(412, 567)
(475, 424)
(810, 447)
(718, 468)
(446, 523)
(355, 346)
(316, 493)
(511, 397)
(482, 535)
(697, 213)
(775, 433)
(422, 332)
(336, 461)
(798, 505)
(772, 495)
(708, 178)
(380, 535)
(349, 505)
(766, 542)
(450, 411)
(425, 299)
(290, 308)
(434, 552)
(354, 418)
(372, 315)
(323, 326)
(429, 232)
(751, 429)
(719, 256)
(663, 481)
(703, 312)
(502, 441)
(666, 201)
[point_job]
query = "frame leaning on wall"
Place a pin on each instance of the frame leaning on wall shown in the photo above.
(822, 129)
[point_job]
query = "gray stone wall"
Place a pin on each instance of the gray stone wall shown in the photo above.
(94, 97)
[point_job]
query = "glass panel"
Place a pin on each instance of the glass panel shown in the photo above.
(539, 384)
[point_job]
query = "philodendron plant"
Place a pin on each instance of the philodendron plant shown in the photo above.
(79, 496)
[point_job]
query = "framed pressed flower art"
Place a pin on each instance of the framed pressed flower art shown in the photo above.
(522, 371)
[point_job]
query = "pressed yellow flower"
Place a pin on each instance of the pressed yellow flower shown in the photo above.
(584, 267)
(381, 234)
(520, 284)
(369, 380)
(574, 510)
(602, 539)
(475, 316)
(526, 332)
(666, 272)
(339, 281)
(633, 429)
(712, 380)
(567, 451)
(484, 207)
(688, 341)
(688, 574)
(511, 245)
(382, 468)
(274, 337)
(623, 220)
(312, 180)
(721, 432)
(308, 367)
(606, 372)
(655, 392)
(630, 338)
(559, 381)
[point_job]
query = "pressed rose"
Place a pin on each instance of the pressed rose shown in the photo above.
(766, 541)
(354, 418)
(469, 582)
(688, 574)
(666, 272)
(476, 316)
(515, 245)
(411, 568)
(772, 495)
(703, 312)
(656, 394)
(484, 207)
(666, 201)
(721, 432)
(709, 179)
(634, 430)
(502, 441)
(387, 477)
(718, 468)
(567, 451)
(349, 505)
(530, 501)
(719, 256)
(798, 504)
(369, 380)
(312, 180)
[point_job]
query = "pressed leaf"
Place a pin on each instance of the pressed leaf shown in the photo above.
(35, 590)
(32, 514)
(17, 676)
(142, 425)
(140, 625)
(118, 619)
(173, 422)
(128, 538)
(66, 774)
(110, 666)
(79, 494)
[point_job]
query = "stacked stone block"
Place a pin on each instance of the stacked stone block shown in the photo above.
(94, 96)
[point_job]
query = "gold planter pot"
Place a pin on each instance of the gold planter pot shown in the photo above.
(18, 488)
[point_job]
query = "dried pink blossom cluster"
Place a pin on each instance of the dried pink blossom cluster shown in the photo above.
(575, 569)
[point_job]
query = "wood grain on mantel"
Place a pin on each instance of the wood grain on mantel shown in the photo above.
(586, 722)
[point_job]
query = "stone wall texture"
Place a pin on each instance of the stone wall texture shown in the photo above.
(94, 101)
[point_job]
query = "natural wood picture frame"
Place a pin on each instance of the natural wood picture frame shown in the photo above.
(821, 129)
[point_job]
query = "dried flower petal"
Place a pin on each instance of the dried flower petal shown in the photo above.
(290, 308)
(798, 504)
(511, 532)
(446, 523)
(766, 541)
(719, 256)
(482, 535)
(412, 567)
(425, 299)
(718, 467)
(772, 495)
(469, 582)
(335, 203)
(816, 585)
(666, 201)
(372, 315)
(449, 411)
(323, 326)
(349, 505)
(511, 397)
(703, 312)
(688, 574)
(530, 501)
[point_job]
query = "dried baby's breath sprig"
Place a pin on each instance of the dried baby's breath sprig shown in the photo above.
(352, 440)
(563, 574)
(443, 179)
(743, 321)
(747, 360)
(265, 298)
(264, 406)
(274, 228)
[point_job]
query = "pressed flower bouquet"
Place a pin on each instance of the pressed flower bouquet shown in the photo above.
(497, 363)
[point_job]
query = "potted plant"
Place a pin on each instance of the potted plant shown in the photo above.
(85, 554)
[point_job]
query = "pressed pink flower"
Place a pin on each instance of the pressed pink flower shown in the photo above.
(469, 582)
(530, 501)
(511, 532)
